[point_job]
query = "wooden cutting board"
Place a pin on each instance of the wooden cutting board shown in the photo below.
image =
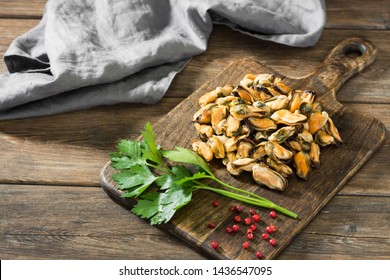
(362, 136)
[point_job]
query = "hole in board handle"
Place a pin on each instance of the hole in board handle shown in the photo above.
(354, 50)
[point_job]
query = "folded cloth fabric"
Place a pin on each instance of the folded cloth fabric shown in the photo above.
(99, 52)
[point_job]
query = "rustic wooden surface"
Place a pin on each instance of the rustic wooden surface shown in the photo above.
(52, 205)
(305, 198)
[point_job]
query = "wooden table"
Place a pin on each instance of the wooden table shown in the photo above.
(52, 206)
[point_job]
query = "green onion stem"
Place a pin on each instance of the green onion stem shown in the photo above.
(257, 202)
(234, 188)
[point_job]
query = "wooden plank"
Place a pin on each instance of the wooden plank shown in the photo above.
(44, 222)
(318, 191)
(22, 8)
(83, 223)
(373, 178)
(349, 227)
(328, 247)
(370, 86)
(359, 14)
(47, 150)
(27, 238)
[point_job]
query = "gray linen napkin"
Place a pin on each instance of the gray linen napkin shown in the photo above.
(88, 53)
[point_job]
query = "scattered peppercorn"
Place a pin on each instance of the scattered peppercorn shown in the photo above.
(247, 221)
(272, 242)
(237, 219)
(250, 230)
(239, 209)
(229, 230)
(256, 218)
(273, 214)
(271, 229)
(259, 255)
(212, 225)
(236, 228)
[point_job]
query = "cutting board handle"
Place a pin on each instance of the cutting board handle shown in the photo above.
(347, 59)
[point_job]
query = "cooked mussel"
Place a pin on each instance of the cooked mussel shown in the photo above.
(244, 148)
(244, 111)
(265, 127)
(275, 150)
(302, 164)
(261, 123)
(233, 126)
(205, 131)
(277, 102)
(314, 154)
(331, 129)
(279, 166)
(244, 164)
(203, 149)
(218, 113)
(284, 116)
(203, 115)
(264, 175)
(323, 139)
(284, 133)
(211, 96)
(317, 120)
(216, 146)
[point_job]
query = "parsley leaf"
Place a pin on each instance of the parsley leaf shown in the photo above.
(187, 156)
(128, 154)
(160, 207)
(150, 150)
(135, 180)
(148, 206)
(165, 181)
(140, 164)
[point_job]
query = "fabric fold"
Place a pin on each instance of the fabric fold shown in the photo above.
(101, 52)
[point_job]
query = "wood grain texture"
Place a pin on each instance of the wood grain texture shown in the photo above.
(79, 148)
(347, 228)
(83, 223)
(52, 150)
(369, 87)
(360, 14)
(22, 8)
(45, 222)
(362, 134)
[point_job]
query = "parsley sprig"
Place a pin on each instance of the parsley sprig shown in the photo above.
(161, 188)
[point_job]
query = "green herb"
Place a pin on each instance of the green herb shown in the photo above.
(161, 188)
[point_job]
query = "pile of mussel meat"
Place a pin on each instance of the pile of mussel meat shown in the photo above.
(264, 127)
